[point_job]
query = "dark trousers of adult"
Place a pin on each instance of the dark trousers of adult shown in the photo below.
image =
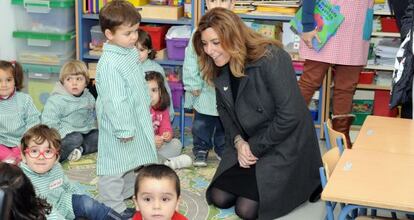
(345, 81)
(89, 208)
(89, 143)
(207, 132)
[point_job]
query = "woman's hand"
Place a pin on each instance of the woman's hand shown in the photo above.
(244, 154)
(308, 36)
(167, 136)
(159, 141)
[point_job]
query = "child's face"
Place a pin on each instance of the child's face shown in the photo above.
(7, 83)
(75, 84)
(143, 52)
(228, 4)
(40, 157)
(156, 199)
(154, 92)
(124, 36)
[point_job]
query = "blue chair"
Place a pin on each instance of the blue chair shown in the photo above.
(183, 112)
(329, 159)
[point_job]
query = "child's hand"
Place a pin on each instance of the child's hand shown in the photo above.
(125, 140)
(196, 92)
(167, 136)
(159, 141)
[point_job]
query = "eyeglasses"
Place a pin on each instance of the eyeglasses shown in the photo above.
(35, 153)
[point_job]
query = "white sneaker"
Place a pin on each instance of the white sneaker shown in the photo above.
(76, 154)
(179, 162)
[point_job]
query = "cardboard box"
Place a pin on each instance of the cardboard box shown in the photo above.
(161, 12)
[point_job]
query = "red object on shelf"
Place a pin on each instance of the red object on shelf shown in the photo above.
(366, 77)
(389, 24)
(381, 101)
(157, 34)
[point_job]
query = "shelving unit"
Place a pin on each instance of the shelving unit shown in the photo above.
(84, 22)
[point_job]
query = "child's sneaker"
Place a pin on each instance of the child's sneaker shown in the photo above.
(76, 154)
(179, 162)
(200, 159)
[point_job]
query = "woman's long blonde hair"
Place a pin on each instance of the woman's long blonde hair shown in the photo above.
(242, 43)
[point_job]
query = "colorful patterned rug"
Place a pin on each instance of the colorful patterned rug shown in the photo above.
(194, 182)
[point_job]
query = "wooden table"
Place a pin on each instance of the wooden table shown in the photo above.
(372, 179)
(395, 135)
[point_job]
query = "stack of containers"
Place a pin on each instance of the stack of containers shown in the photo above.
(45, 40)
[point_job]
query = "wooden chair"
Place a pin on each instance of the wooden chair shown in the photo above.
(332, 136)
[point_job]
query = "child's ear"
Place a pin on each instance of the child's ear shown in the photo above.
(134, 198)
(177, 207)
(108, 34)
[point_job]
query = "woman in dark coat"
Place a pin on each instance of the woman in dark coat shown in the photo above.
(271, 159)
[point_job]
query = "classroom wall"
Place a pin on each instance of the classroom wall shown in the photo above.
(7, 47)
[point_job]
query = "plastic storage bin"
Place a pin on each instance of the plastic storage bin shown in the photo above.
(389, 24)
(97, 37)
(177, 90)
(382, 99)
(40, 81)
(54, 16)
(41, 48)
(366, 77)
(361, 109)
(157, 33)
(176, 48)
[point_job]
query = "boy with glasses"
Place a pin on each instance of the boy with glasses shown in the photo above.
(41, 151)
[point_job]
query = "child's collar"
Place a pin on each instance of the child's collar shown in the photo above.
(116, 48)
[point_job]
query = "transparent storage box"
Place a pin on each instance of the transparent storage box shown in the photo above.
(54, 16)
(41, 48)
(97, 37)
(40, 81)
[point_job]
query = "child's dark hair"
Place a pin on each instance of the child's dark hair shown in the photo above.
(25, 204)
(117, 13)
(158, 171)
(145, 40)
(39, 134)
(165, 101)
(16, 70)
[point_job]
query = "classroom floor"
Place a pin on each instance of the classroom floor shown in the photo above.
(194, 181)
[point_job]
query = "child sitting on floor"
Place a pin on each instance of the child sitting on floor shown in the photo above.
(17, 111)
(157, 194)
(41, 150)
(147, 56)
(71, 110)
(169, 148)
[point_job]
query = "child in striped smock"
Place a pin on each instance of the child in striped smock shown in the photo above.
(17, 111)
(126, 138)
(201, 96)
(168, 147)
(146, 57)
(71, 110)
(41, 150)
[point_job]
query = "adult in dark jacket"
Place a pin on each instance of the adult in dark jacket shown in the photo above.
(271, 158)
(405, 22)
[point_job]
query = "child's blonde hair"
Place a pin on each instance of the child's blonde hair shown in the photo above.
(74, 67)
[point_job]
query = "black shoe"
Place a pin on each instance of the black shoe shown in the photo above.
(316, 195)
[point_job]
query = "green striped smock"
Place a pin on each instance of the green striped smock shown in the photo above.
(122, 108)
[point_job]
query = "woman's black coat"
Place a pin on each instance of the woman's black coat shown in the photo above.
(271, 112)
